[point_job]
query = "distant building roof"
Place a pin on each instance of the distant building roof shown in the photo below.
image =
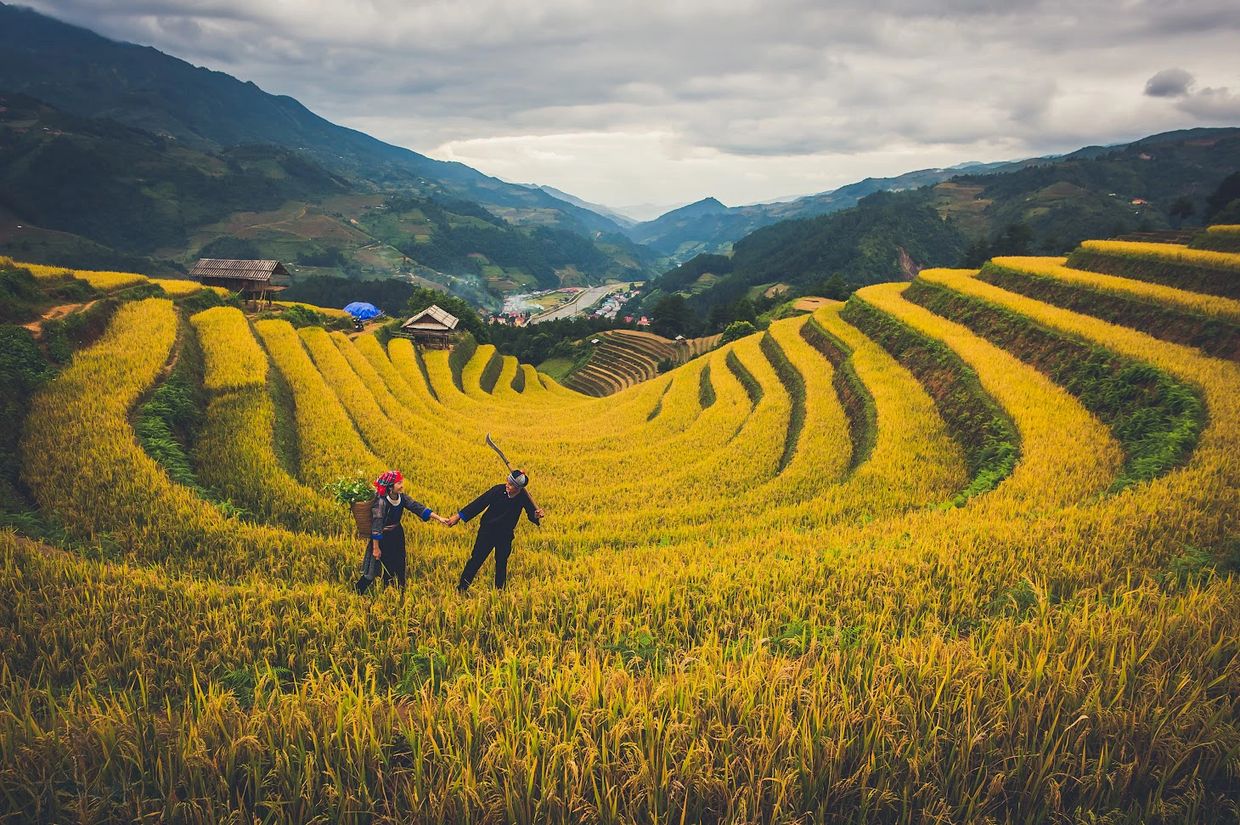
(432, 318)
(237, 269)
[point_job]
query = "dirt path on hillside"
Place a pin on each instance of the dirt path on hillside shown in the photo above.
(54, 314)
(811, 303)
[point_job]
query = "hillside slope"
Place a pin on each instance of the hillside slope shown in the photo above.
(74, 99)
(624, 357)
(1046, 206)
(709, 227)
(83, 73)
(979, 528)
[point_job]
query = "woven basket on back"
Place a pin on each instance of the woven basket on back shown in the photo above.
(361, 514)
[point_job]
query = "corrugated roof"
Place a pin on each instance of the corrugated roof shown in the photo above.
(435, 314)
(237, 269)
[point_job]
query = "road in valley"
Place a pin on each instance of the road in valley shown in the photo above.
(584, 300)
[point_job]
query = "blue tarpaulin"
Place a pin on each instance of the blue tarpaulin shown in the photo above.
(363, 310)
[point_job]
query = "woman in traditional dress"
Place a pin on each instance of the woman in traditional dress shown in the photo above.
(385, 552)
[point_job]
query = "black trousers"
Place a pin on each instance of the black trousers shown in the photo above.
(483, 545)
(392, 556)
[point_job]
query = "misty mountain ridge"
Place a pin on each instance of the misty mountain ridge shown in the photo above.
(126, 116)
(1042, 206)
(709, 227)
(83, 73)
(620, 218)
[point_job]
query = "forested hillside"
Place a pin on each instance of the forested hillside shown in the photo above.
(1159, 183)
(116, 152)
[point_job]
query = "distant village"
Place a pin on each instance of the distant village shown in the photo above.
(526, 308)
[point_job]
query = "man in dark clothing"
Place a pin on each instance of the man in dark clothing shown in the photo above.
(501, 508)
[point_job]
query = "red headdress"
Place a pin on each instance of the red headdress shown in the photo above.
(385, 482)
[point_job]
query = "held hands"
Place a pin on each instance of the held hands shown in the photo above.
(449, 521)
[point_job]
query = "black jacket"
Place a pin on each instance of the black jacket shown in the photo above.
(502, 513)
(384, 515)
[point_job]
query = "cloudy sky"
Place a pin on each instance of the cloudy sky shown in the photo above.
(628, 103)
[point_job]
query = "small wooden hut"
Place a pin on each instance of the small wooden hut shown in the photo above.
(433, 327)
(254, 280)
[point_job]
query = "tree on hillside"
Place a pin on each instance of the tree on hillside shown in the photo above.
(833, 287)
(737, 330)
(721, 315)
(1015, 239)
(388, 294)
(672, 317)
(1223, 206)
(1180, 210)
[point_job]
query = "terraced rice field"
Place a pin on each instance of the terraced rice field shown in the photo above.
(623, 358)
(961, 550)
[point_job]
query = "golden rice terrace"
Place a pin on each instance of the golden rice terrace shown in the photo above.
(960, 550)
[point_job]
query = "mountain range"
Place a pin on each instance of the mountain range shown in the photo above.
(1040, 206)
(114, 155)
(708, 226)
(74, 97)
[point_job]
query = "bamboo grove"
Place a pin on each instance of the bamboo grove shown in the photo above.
(961, 550)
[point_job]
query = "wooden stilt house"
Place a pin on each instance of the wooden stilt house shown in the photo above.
(256, 281)
(433, 327)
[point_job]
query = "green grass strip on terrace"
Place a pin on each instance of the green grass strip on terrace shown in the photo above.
(1215, 336)
(794, 383)
(752, 388)
(985, 433)
(459, 357)
(706, 390)
(490, 372)
(1156, 418)
(855, 398)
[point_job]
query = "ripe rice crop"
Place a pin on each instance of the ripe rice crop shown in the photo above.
(330, 312)
(1174, 253)
(179, 288)
(233, 358)
(104, 281)
(1211, 305)
(757, 595)
(330, 447)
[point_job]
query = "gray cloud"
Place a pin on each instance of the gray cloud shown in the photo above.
(1210, 104)
(671, 100)
(1213, 105)
(1169, 83)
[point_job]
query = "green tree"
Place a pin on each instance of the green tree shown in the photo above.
(737, 330)
(1222, 206)
(671, 316)
(977, 254)
(833, 287)
(1014, 240)
(1181, 209)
